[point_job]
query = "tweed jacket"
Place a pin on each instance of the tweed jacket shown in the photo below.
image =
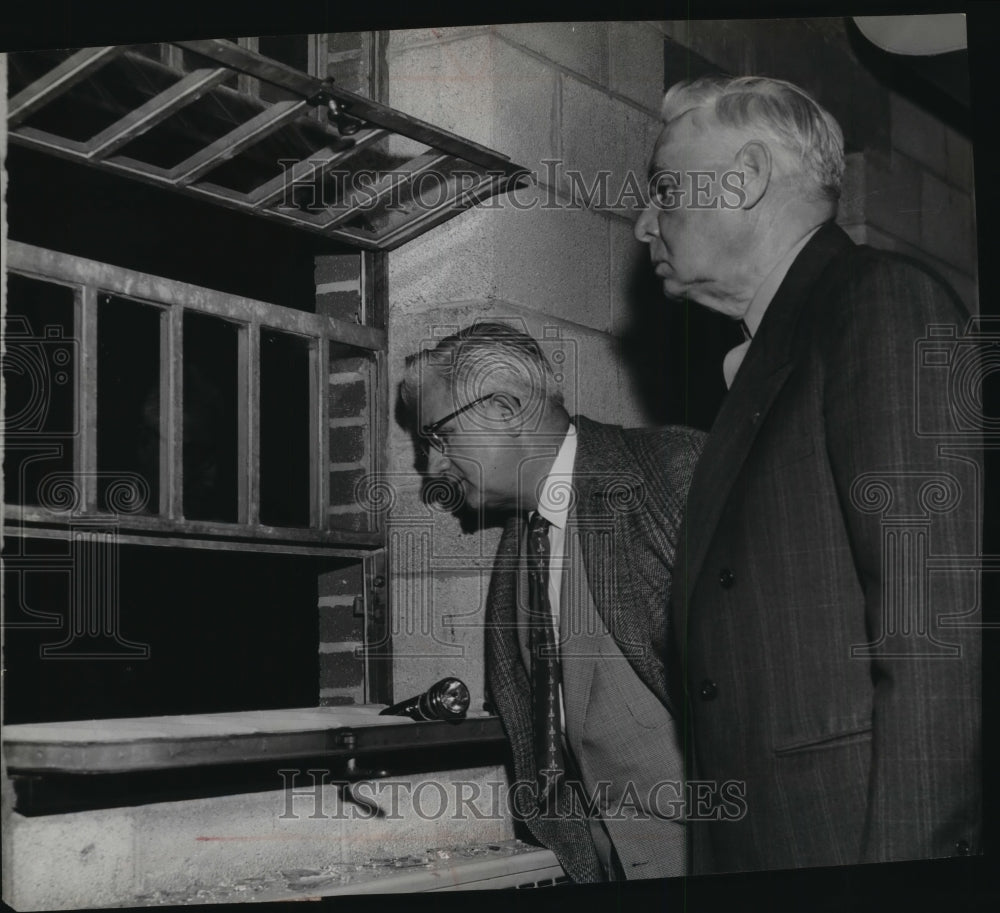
(825, 607)
(633, 482)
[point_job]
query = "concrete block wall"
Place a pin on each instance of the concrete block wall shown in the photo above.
(919, 199)
(909, 182)
(813, 53)
(577, 104)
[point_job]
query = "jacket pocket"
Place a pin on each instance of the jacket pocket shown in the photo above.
(829, 740)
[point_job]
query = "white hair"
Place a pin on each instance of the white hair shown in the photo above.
(790, 115)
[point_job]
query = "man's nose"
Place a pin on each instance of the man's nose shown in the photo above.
(645, 227)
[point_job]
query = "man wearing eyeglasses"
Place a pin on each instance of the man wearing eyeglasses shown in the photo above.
(576, 611)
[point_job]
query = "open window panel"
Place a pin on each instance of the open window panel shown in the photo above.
(221, 120)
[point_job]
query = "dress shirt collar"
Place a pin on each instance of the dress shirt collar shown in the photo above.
(555, 497)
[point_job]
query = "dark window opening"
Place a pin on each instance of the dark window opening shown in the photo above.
(211, 410)
(161, 232)
(285, 440)
(128, 406)
(180, 631)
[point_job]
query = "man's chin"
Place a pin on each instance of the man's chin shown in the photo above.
(671, 287)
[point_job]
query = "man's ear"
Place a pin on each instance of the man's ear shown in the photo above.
(507, 407)
(756, 163)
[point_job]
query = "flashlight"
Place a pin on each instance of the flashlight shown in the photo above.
(447, 699)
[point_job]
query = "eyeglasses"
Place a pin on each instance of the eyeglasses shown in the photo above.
(431, 433)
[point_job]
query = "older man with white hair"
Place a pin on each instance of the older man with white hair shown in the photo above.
(825, 593)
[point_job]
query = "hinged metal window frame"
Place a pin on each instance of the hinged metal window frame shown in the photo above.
(378, 121)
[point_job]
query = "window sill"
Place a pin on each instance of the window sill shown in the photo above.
(172, 742)
(148, 530)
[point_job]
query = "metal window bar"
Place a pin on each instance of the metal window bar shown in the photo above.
(253, 426)
(89, 278)
(496, 172)
(234, 142)
(153, 112)
(85, 458)
(172, 413)
(57, 81)
(368, 198)
(310, 169)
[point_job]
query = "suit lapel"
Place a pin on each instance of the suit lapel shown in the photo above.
(594, 520)
(607, 479)
(766, 368)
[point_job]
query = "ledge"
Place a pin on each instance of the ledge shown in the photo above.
(173, 742)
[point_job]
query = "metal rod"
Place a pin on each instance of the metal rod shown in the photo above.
(312, 168)
(355, 105)
(48, 264)
(86, 399)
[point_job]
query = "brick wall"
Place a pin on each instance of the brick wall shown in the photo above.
(341, 636)
(349, 461)
(348, 56)
(338, 286)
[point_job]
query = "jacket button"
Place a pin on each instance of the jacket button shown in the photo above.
(962, 847)
(708, 690)
(726, 578)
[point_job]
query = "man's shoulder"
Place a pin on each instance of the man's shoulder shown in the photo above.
(663, 442)
(663, 457)
(864, 270)
(670, 449)
(663, 438)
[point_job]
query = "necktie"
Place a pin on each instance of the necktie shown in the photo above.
(544, 660)
(734, 357)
